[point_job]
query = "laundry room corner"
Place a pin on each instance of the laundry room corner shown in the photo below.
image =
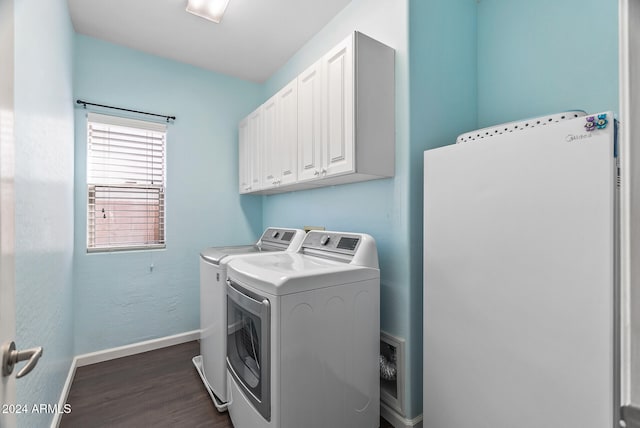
(127, 297)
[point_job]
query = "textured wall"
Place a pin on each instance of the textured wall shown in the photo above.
(542, 57)
(7, 198)
(44, 197)
(444, 100)
(118, 299)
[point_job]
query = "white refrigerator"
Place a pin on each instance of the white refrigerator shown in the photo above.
(521, 278)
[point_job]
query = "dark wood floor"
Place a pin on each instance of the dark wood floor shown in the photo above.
(160, 388)
(156, 389)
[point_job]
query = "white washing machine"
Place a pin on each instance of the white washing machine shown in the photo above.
(303, 335)
(211, 363)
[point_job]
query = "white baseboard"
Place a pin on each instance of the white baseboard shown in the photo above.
(397, 420)
(57, 416)
(112, 354)
(136, 348)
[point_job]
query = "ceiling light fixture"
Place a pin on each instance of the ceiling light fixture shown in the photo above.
(208, 9)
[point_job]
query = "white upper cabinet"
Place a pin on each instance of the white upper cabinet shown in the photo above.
(269, 142)
(254, 152)
(248, 153)
(334, 124)
(287, 149)
(337, 110)
(243, 158)
(310, 123)
(279, 137)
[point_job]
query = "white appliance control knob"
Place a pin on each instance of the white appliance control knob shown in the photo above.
(324, 240)
(275, 234)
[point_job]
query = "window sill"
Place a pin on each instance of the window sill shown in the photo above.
(125, 249)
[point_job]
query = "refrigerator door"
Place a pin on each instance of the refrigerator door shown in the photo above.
(519, 288)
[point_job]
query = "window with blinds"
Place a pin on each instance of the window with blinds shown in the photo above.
(125, 183)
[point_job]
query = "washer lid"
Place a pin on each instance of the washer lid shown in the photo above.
(286, 273)
(215, 254)
(272, 239)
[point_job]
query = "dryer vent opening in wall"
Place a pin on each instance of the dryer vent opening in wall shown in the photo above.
(392, 371)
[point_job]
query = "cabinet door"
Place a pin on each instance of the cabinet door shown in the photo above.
(310, 123)
(244, 182)
(287, 146)
(253, 151)
(269, 143)
(337, 122)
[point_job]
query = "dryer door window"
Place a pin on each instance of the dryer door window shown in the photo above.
(248, 347)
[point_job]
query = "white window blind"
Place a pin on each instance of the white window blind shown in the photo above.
(125, 183)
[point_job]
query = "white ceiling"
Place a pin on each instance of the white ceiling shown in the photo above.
(254, 39)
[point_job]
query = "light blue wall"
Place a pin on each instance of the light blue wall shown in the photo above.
(380, 207)
(44, 198)
(443, 58)
(118, 300)
(459, 64)
(546, 56)
(478, 63)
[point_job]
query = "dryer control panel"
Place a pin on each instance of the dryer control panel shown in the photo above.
(353, 248)
(331, 241)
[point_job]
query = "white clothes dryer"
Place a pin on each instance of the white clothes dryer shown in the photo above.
(211, 363)
(303, 335)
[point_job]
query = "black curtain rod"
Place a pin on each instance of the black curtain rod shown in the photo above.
(86, 103)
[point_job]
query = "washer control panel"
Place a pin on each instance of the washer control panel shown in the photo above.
(275, 238)
(282, 236)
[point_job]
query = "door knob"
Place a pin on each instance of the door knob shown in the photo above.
(10, 357)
